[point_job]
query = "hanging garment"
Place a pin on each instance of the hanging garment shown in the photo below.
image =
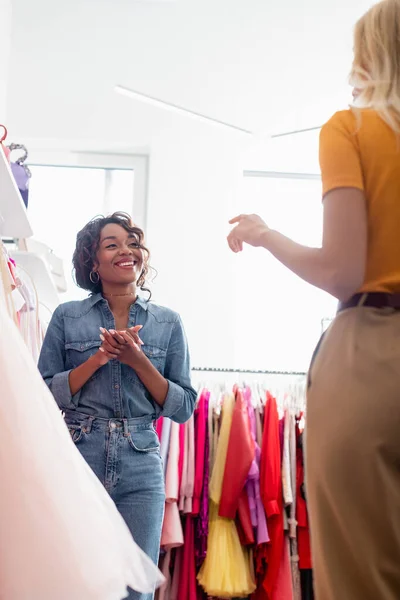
(286, 473)
(164, 591)
(283, 589)
(243, 520)
(187, 487)
(164, 443)
(240, 456)
(227, 571)
(202, 522)
(259, 427)
(184, 476)
(21, 172)
(292, 519)
(307, 586)
(303, 532)
(177, 574)
(63, 535)
(187, 583)
(158, 427)
(181, 452)
(259, 520)
(200, 441)
(211, 435)
(172, 534)
(271, 492)
(172, 473)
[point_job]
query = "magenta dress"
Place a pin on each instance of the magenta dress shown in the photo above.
(202, 520)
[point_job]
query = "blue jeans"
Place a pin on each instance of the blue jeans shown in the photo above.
(125, 456)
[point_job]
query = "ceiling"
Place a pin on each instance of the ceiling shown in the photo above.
(260, 65)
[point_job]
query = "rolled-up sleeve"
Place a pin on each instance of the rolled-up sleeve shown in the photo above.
(52, 362)
(180, 401)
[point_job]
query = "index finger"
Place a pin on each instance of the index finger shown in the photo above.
(236, 219)
(129, 339)
(110, 337)
(132, 332)
(117, 336)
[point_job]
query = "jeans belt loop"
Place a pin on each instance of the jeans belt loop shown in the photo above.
(126, 428)
(88, 426)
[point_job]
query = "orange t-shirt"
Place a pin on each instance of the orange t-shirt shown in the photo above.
(365, 154)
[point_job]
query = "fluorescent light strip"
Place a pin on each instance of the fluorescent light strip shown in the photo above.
(176, 109)
(278, 135)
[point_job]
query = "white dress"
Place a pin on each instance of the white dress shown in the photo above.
(61, 536)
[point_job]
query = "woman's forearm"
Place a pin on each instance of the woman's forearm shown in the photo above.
(313, 265)
(152, 380)
(81, 375)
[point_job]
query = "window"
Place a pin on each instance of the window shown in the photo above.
(280, 318)
(63, 197)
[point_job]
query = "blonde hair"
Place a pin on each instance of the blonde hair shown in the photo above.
(376, 66)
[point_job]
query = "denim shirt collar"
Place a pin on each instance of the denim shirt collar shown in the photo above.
(95, 298)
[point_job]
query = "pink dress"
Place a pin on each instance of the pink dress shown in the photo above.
(172, 534)
(187, 486)
(187, 583)
(200, 441)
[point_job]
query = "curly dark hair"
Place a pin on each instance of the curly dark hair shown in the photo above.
(87, 245)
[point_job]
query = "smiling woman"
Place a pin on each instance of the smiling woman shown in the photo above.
(112, 384)
(108, 252)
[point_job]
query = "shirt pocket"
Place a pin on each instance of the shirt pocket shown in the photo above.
(156, 356)
(77, 353)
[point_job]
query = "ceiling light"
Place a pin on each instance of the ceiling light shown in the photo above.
(176, 109)
(295, 132)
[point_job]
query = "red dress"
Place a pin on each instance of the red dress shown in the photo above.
(239, 459)
(303, 532)
(241, 450)
(271, 494)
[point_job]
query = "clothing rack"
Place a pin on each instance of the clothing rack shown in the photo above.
(249, 371)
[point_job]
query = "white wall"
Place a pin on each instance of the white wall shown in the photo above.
(262, 66)
(5, 24)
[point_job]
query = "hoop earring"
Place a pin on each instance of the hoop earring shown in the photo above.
(92, 279)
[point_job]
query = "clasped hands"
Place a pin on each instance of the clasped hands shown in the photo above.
(122, 345)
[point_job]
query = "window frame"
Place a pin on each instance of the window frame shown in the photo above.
(138, 163)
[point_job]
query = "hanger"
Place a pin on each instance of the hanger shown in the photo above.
(21, 160)
(5, 133)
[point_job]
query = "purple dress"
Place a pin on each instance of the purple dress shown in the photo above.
(257, 513)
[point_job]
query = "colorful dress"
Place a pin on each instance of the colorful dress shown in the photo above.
(227, 571)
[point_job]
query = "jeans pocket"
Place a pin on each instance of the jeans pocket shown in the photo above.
(144, 440)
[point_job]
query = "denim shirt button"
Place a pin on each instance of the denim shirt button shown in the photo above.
(116, 386)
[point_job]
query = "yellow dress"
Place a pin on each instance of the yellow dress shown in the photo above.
(227, 571)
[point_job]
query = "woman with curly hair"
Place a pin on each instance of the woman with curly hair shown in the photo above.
(353, 408)
(111, 382)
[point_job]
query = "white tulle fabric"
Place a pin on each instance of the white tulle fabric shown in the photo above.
(61, 536)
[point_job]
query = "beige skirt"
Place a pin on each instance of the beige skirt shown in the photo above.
(353, 457)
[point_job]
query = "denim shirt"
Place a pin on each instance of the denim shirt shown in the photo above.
(115, 391)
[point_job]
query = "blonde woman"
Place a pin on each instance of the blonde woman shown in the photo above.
(353, 418)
